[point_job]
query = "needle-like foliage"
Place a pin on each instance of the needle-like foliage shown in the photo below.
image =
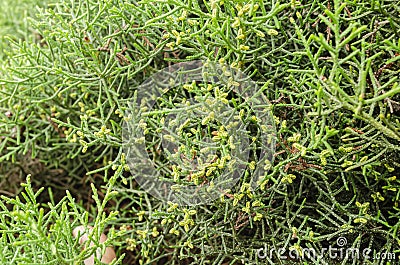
(329, 68)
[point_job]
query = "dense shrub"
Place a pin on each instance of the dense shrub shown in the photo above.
(330, 70)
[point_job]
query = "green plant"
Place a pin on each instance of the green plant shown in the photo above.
(35, 233)
(329, 68)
